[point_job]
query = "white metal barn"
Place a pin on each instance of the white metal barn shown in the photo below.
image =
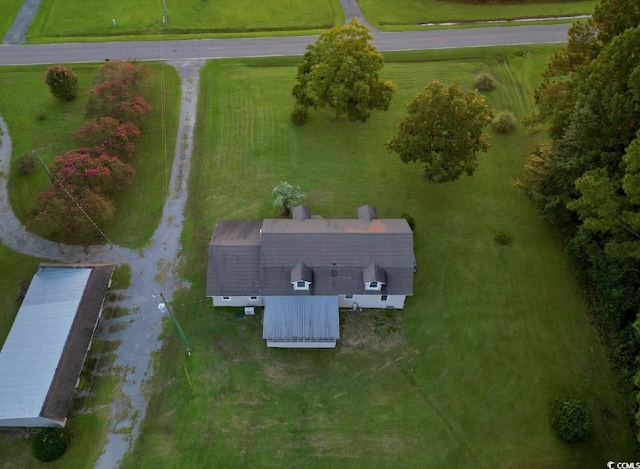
(43, 355)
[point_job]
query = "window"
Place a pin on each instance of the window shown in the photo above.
(375, 285)
(300, 285)
(254, 298)
(226, 298)
(348, 297)
(384, 297)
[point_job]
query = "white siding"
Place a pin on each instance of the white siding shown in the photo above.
(372, 301)
(238, 301)
(289, 344)
(364, 301)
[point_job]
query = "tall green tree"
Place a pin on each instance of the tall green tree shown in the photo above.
(62, 81)
(443, 129)
(341, 70)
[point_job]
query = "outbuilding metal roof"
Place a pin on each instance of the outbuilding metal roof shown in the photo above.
(312, 318)
(43, 354)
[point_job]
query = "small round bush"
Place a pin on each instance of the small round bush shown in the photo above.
(26, 164)
(410, 220)
(50, 444)
(299, 115)
(485, 82)
(504, 121)
(502, 238)
(570, 419)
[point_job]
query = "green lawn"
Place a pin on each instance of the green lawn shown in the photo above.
(409, 14)
(9, 10)
(36, 119)
(94, 18)
(461, 377)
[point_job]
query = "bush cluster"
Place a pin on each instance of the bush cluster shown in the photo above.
(485, 82)
(410, 220)
(62, 81)
(570, 419)
(26, 164)
(504, 121)
(50, 443)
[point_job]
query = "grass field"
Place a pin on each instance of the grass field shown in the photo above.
(9, 10)
(94, 18)
(409, 14)
(461, 377)
(36, 119)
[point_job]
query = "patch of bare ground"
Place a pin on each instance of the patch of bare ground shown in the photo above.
(379, 329)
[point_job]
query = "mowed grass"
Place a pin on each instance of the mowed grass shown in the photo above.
(94, 18)
(37, 120)
(408, 14)
(461, 377)
(9, 9)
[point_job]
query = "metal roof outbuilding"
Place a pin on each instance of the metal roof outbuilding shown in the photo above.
(43, 354)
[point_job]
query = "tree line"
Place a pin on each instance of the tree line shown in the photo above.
(586, 178)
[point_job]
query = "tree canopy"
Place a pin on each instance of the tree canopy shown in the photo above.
(586, 179)
(62, 81)
(443, 128)
(341, 70)
(287, 196)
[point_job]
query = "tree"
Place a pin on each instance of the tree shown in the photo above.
(101, 173)
(107, 135)
(62, 81)
(443, 128)
(118, 92)
(570, 419)
(287, 197)
(341, 70)
(57, 214)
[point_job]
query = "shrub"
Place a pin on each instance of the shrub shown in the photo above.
(570, 419)
(504, 121)
(26, 164)
(410, 220)
(485, 82)
(50, 444)
(62, 81)
(300, 114)
(502, 238)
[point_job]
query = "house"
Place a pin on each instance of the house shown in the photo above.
(304, 268)
(43, 355)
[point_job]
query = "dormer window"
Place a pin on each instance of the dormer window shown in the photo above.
(377, 286)
(301, 276)
(374, 277)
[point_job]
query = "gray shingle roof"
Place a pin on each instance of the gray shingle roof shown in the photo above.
(336, 250)
(234, 259)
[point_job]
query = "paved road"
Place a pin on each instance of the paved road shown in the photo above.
(273, 46)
